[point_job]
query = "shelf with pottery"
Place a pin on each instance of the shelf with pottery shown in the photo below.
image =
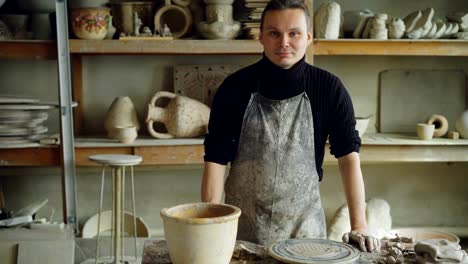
(401, 47)
(246, 47)
(376, 148)
(28, 49)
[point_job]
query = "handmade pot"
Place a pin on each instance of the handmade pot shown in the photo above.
(461, 125)
(121, 113)
(182, 116)
(124, 134)
(90, 23)
(201, 233)
(425, 131)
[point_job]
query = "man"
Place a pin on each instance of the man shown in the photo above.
(271, 121)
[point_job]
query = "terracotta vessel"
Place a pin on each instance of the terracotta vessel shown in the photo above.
(201, 233)
(182, 116)
(121, 113)
(90, 23)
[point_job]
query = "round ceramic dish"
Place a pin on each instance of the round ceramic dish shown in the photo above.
(313, 251)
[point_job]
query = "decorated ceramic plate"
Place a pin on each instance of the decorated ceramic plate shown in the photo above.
(313, 251)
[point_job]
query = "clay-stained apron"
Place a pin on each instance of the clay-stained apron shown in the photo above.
(273, 178)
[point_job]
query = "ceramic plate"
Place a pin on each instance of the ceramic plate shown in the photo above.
(15, 99)
(313, 251)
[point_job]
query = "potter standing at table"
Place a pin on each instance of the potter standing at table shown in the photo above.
(271, 121)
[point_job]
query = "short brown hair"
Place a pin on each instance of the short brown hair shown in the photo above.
(283, 5)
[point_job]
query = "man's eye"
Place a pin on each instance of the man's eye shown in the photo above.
(294, 34)
(274, 33)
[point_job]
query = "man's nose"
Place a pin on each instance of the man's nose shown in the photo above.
(284, 41)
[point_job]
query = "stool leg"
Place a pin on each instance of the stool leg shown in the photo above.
(117, 213)
(100, 211)
(134, 213)
(122, 214)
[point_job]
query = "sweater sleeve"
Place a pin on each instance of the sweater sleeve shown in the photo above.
(344, 138)
(219, 142)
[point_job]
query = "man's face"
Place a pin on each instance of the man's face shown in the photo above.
(285, 37)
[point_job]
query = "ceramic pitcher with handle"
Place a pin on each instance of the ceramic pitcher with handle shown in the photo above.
(183, 117)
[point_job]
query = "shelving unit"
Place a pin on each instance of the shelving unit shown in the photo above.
(376, 148)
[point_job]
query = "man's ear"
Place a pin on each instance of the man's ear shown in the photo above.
(309, 38)
(260, 36)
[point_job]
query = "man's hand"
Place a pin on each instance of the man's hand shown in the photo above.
(363, 242)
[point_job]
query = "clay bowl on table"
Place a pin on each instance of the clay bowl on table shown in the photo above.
(90, 23)
(201, 233)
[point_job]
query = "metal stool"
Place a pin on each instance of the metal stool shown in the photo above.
(117, 164)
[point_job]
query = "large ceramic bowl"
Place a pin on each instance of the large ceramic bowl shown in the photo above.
(201, 233)
(90, 23)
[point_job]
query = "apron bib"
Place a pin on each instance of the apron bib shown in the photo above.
(273, 178)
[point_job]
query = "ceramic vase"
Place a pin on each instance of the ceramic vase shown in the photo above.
(201, 233)
(183, 117)
(461, 125)
(121, 113)
(90, 23)
(110, 29)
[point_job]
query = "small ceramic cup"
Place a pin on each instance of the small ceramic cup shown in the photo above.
(125, 134)
(425, 131)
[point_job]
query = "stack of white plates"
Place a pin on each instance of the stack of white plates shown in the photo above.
(22, 120)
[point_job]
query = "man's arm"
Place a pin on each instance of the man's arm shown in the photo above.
(213, 182)
(353, 184)
(351, 174)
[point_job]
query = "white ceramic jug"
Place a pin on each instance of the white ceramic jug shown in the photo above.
(182, 116)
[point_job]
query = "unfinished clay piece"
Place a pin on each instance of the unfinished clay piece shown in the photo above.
(219, 22)
(396, 28)
(441, 125)
(351, 19)
(365, 15)
(411, 20)
(121, 113)
(327, 21)
(183, 117)
(423, 25)
(461, 18)
(378, 28)
(441, 27)
(378, 217)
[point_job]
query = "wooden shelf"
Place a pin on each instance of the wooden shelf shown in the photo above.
(391, 47)
(28, 49)
(167, 47)
(376, 148)
(37, 49)
(253, 47)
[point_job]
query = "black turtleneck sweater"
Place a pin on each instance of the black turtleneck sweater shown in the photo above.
(331, 105)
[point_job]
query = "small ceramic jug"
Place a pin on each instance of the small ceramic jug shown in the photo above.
(183, 117)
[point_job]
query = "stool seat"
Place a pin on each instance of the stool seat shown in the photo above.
(116, 159)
